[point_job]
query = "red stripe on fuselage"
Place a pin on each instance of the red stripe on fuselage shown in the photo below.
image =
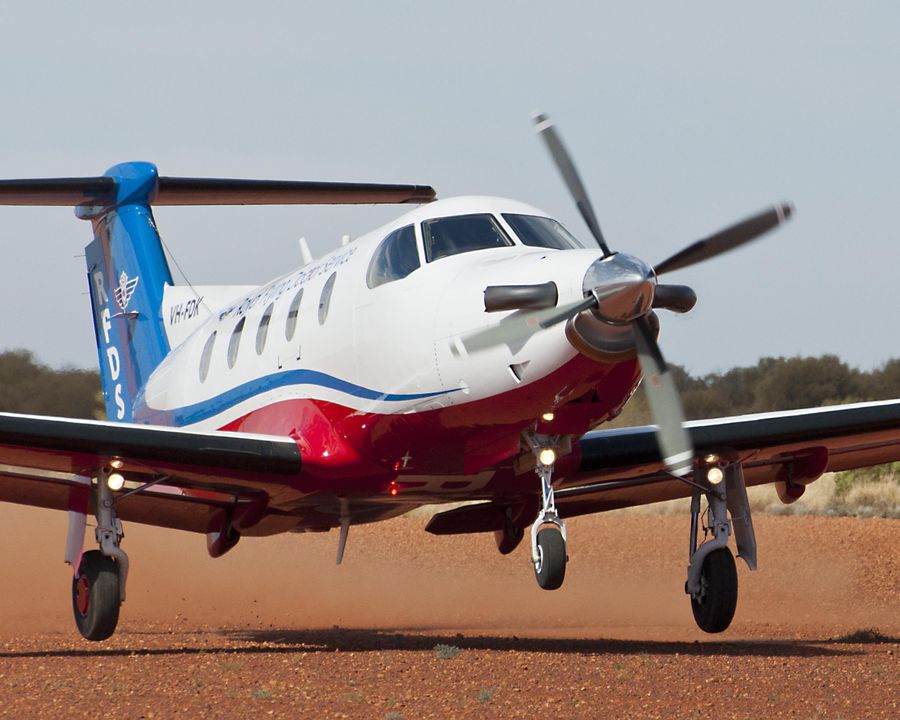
(348, 451)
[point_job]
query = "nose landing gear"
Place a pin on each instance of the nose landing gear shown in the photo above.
(548, 532)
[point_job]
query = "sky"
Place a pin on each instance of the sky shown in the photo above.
(682, 118)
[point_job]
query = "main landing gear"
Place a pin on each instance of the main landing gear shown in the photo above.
(98, 587)
(712, 577)
(548, 532)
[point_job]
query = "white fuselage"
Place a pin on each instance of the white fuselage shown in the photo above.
(393, 348)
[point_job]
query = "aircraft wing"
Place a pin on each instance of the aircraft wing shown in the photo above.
(174, 478)
(622, 467)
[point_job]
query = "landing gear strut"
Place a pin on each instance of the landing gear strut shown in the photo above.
(712, 577)
(98, 588)
(548, 532)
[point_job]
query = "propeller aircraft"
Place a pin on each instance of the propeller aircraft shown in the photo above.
(467, 352)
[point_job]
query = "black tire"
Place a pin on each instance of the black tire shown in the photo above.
(551, 568)
(95, 596)
(714, 609)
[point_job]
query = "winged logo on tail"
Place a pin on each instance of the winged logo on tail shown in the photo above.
(125, 290)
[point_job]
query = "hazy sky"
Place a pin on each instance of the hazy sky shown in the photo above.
(682, 117)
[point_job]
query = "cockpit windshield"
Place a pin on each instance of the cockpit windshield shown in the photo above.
(462, 233)
(539, 231)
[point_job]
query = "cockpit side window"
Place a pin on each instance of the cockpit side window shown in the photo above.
(462, 233)
(395, 258)
(539, 231)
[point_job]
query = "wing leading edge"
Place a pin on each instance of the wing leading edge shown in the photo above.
(622, 467)
(175, 478)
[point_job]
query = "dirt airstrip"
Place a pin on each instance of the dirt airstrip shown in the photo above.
(413, 626)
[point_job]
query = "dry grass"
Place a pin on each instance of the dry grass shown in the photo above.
(829, 495)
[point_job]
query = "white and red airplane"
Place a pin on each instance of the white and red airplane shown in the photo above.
(464, 352)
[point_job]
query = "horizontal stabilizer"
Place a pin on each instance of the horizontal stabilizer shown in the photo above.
(99, 191)
(57, 191)
(215, 191)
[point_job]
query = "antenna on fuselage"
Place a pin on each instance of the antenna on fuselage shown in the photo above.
(345, 240)
(304, 251)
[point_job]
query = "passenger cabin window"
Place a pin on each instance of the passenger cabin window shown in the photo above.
(234, 343)
(294, 310)
(395, 258)
(541, 232)
(206, 356)
(325, 299)
(263, 330)
(464, 233)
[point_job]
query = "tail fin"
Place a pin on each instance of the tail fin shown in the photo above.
(127, 273)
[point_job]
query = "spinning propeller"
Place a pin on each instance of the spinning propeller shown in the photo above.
(622, 290)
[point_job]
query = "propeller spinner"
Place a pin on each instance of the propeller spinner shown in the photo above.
(621, 291)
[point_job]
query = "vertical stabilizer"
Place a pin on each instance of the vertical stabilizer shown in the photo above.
(127, 273)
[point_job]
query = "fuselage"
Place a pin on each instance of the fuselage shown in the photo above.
(358, 355)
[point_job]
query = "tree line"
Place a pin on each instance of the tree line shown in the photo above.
(28, 386)
(773, 384)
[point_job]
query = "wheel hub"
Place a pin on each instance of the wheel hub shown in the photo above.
(82, 595)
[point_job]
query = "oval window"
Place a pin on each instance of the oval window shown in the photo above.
(206, 356)
(263, 330)
(293, 312)
(325, 299)
(234, 343)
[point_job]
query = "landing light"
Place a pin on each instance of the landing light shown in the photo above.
(715, 475)
(547, 456)
(115, 481)
(116, 463)
(711, 459)
(547, 417)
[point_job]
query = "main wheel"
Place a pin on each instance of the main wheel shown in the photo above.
(550, 569)
(714, 608)
(95, 596)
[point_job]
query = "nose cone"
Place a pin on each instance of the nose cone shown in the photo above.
(623, 285)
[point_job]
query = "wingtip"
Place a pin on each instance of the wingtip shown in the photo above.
(541, 121)
(785, 210)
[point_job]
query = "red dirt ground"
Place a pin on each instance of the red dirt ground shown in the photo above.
(274, 629)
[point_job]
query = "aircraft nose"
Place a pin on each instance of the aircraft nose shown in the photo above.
(623, 286)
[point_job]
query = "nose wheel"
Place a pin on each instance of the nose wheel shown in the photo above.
(550, 565)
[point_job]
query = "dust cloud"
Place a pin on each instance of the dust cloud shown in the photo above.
(625, 579)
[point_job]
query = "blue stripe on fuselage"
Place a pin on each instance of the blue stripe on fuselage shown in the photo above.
(206, 409)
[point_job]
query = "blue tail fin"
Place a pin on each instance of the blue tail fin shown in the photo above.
(127, 272)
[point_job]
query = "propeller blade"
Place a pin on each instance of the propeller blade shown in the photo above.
(674, 441)
(727, 239)
(545, 129)
(520, 326)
